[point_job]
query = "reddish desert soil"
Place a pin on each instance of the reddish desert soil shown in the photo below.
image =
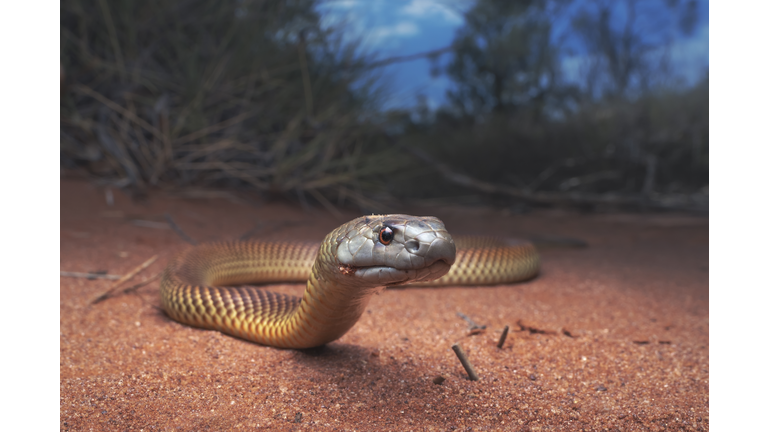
(614, 336)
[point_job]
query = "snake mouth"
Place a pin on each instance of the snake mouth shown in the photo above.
(391, 276)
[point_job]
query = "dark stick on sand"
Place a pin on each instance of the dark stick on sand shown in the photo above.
(92, 275)
(465, 362)
(503, 337)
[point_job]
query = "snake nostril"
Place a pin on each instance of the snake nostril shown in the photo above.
(412, 246)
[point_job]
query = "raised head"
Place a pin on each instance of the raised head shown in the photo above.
(392, 250)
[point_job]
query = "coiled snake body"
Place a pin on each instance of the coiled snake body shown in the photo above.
(202, 287)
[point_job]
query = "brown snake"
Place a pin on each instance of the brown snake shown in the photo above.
(203, 286)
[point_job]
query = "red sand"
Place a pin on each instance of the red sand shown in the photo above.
(635, 304)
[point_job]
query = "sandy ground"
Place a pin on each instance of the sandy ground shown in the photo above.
(614, 336)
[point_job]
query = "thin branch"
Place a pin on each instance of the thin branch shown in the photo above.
(90, 275)
(455, 177)
(472, 325)
(117, 108)
(465, 362)
(503, 337)
(214, 128)
(120, 281)
(177, 229)
(133, 288)
(406, 58)
(130, 289)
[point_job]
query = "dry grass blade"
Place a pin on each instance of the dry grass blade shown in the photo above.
(90, 92)
(133, 288)
(126, 277)
(130, 289)
(90, 275)
(213, 128)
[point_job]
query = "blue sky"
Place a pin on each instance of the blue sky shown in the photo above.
(390, 28)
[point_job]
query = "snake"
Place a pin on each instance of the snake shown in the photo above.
(213, 285)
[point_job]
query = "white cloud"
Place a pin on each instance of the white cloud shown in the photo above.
(431, 9)
(341, 4)
(386, 24)
(402, 29)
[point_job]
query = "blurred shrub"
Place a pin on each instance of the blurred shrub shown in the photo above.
(217, 93)
(655, 147)
(517, 128)
(257, 94)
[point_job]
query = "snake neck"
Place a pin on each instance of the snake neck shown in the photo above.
(330, 306)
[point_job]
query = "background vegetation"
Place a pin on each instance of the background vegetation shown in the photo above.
(257, 95)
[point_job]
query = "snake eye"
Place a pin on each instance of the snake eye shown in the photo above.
(386, 235)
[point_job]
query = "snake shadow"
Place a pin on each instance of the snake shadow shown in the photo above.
(359, 366)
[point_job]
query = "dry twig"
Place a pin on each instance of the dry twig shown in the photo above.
(465, 362)
(130, 289)
(503, 337)
(532, 329)
(90, 275)
(133, 288)
(472, 325)
(120, 281)
(453, 176)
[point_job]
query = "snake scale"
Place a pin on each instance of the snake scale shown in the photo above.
(205, 286)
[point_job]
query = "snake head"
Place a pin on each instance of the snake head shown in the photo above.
(393, 250)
